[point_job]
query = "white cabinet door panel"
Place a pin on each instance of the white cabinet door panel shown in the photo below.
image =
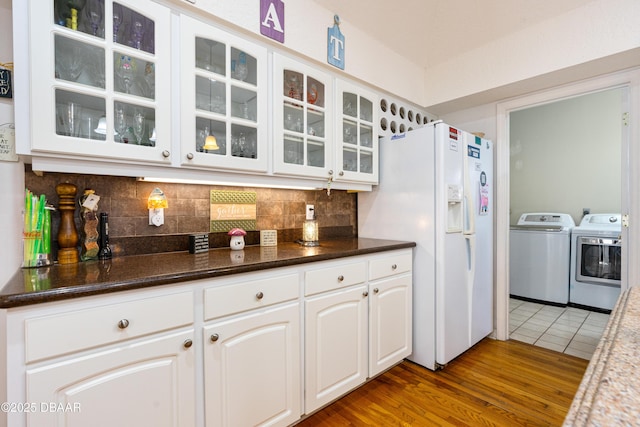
(148, 383)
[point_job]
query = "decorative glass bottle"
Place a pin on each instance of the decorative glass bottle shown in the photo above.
(105, 249)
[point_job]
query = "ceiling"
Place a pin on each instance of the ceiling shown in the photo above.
(428, 31)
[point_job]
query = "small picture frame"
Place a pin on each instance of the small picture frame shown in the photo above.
(6, 89)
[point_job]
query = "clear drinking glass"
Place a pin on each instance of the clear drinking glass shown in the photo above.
(72, 118)
(139, 126)
(120, 122)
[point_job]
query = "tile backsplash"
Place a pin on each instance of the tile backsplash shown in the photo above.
(125, 199)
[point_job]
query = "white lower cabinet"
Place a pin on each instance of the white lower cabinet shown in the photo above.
(252, 369)
(120, 360)
(390, 309)
(148, 383)
(335, 345)
(252, 349)
(389, 322)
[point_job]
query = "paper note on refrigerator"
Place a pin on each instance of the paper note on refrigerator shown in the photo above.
(484, 198)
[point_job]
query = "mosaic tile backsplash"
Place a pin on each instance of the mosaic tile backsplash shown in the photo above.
(125, 199)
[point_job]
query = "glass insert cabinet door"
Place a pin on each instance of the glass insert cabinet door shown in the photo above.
(357, 157)
(302, 119)
(102, 90)
(223, 99)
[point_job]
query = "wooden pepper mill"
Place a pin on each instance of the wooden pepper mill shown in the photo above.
(67, 235)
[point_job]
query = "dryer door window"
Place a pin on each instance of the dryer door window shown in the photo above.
(599, 261)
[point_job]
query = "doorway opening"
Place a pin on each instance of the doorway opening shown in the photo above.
(627, 85)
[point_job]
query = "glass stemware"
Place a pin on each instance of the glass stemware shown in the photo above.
(137, 30)
(138, 126)
(117, 20)
(70, 59)
(94, 10)
(126, 67)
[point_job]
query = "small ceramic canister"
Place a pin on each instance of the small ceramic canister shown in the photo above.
(237, 238)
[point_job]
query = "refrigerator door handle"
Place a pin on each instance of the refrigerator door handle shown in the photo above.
(471, 275)
(469, 205)
(470, 217)
(471, 259)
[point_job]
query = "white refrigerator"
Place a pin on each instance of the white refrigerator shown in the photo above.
(436, 189)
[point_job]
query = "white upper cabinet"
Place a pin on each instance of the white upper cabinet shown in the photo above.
(223, 95)
(141, 88)
(302, 119)
(100, 79)
(356, 134)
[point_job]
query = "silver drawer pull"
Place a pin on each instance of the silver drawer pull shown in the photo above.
(259, 295)
(123, 324)
(376, 290)
(365, 294)
(214, 337)
(340, 278)
(394, 266)
(187, 343)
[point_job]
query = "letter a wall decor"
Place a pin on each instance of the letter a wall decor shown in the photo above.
(272, 19)
(335, 44)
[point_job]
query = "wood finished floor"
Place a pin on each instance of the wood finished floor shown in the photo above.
(496, 383)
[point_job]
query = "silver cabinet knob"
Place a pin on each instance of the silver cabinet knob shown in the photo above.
(341, 173)
(187, 343)
(214, 337)
(123, 324)
(190, 156)
(376, 290)
(365, 294)
(166, 154)
(331, 172)
(259, 295)
(394, 266)
(340, 278)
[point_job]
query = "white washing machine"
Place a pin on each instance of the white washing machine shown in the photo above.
(539, 254)
(596, 261)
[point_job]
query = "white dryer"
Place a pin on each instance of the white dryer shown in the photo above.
(596, 261)
(539, 254)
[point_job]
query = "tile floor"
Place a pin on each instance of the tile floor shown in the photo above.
(565, 329)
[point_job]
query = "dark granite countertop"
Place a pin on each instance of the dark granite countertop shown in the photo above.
(59, 282)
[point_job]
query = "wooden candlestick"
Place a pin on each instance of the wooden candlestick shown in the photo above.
(67, 235)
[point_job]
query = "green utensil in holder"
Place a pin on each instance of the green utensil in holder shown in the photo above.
(36, 238)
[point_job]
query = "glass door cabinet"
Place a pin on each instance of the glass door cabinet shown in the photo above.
(356, 135)
(223, 99)
(101, 89)
(302, 119)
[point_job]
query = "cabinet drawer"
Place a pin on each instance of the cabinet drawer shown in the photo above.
(388, 266)
(229, 299)
(341, 276)
(58, 334)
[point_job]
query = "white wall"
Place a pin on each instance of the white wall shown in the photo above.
(565, 156)
(306, 24)
(576, 41)
(599, 37)
(11, 174)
